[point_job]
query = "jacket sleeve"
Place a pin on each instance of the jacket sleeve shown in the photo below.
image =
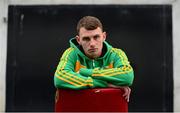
(66, 77)
(121, 74)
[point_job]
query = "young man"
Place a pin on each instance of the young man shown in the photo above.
(91, 62)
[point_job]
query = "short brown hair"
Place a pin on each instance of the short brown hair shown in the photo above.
(89, 23)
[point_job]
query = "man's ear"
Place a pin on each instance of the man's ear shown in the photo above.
(78, 39)
(104, 35)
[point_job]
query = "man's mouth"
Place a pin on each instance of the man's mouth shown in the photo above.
(92, 50)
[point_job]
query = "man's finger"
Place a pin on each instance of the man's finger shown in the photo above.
(126, 91)
(126, 94)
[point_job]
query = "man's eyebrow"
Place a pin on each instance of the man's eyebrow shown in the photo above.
(90, 36)
(96, 35)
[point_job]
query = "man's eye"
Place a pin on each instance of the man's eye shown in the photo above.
(86, 39)
(96, 37)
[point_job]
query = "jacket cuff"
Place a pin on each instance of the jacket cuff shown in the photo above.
(86, 72)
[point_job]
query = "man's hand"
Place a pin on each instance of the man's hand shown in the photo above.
(126, 89)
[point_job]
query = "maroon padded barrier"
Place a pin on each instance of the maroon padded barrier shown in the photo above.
(90, 100)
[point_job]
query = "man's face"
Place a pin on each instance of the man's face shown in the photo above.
(91, 41)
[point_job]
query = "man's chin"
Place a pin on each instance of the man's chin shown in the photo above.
(93, 56)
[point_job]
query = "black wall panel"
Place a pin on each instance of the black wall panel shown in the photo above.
(37, 36)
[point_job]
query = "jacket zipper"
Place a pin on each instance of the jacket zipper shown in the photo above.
(93, 63)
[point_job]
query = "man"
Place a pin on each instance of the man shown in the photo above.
(91, 62)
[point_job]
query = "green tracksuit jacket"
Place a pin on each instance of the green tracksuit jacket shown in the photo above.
(77, 71)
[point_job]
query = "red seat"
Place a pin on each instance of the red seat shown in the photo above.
(90, 100)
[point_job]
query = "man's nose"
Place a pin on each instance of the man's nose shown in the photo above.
(92, 43)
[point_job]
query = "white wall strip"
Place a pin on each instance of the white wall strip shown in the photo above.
(3, 51)
(49, 2)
